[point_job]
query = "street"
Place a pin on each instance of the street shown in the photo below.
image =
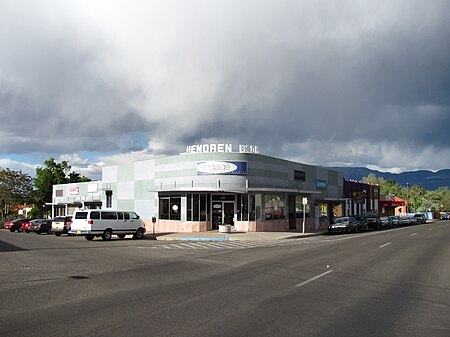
(381, 283)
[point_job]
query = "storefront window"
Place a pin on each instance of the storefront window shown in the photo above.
(274, 206)
(175, 208)
(164, 206)
(197, 207)
(245, 207)
(170, 207)
(203, 212)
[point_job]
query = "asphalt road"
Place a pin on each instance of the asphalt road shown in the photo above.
(388, 283)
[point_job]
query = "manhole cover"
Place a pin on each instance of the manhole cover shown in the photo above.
(79, 277)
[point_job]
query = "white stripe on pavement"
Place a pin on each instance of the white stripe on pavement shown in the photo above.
(313, 278)
(386, 244)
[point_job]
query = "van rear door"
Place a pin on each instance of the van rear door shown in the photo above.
(80, 221)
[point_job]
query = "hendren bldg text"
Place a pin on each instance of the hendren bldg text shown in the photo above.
(207, 148)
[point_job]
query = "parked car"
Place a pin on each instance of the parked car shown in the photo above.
(373, 220)
(362, 222)
(345, 224)
(396, 220)
(444, 216)
(26, 226)
(40, 226)
(386, 222)
(409, 220)
(61, 225)
(15, 225)
(420, 218)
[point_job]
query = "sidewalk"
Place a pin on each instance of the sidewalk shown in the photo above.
(234, 236)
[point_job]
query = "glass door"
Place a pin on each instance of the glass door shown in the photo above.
(216, 214)
(222, 213)
(228, 213)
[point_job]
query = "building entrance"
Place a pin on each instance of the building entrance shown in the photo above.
(222, 211)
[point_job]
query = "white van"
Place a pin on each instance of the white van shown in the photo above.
(105, 223)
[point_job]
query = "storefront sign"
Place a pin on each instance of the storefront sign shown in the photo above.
(222, 167)
(210, 148)
(74, 190)
(321, 184)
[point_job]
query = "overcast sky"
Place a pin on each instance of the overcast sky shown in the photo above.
(332, 83)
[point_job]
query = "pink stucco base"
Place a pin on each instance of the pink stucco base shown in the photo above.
(171, 226)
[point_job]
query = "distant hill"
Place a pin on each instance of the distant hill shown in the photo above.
(427, 179)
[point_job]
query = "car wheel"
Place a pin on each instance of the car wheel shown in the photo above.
(11, 230)
(121, 236)
(58, 233)
(19, 230)
(139, 234)
(38, 233)
(49, 231)
(107, 235)
(89, 237)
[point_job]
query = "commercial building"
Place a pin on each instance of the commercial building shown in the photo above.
(361, 197)
(212, 184)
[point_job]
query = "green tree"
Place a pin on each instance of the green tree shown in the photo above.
(386, 186)
(16, 188)
(53, 173)
(418, 198)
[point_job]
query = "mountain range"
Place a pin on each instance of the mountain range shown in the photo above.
(427, 179)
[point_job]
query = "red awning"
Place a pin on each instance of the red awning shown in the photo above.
(389, 203)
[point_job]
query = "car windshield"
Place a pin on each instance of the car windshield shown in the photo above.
(340, 220)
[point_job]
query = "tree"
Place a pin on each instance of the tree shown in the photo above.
(52, 174)
(16, 188)
(418, 198)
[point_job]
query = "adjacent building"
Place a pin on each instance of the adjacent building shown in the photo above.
(361, 197)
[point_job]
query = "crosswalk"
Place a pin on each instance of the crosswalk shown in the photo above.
(216, 245)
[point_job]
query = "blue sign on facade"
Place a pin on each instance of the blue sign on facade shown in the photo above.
(222, 167)
(321, 184)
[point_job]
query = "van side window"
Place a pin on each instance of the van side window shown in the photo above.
(134, 215)
(79, 215)
(95, 215)
(109, 216)
(127, 216)
(120, 215)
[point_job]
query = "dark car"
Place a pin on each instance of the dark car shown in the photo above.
(15, 225)
(420, 218)
(362, 222)
(40, 226)
(345, 224)
(387, 222)
(373, 220)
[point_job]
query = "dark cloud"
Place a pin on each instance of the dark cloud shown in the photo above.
(352, 83)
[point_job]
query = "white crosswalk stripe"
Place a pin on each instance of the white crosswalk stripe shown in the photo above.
(227, 244)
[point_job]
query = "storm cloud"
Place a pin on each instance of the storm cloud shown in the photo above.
(329, 83)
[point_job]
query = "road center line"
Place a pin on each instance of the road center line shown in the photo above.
(413, 234)
(386, 244)
(313, 278)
